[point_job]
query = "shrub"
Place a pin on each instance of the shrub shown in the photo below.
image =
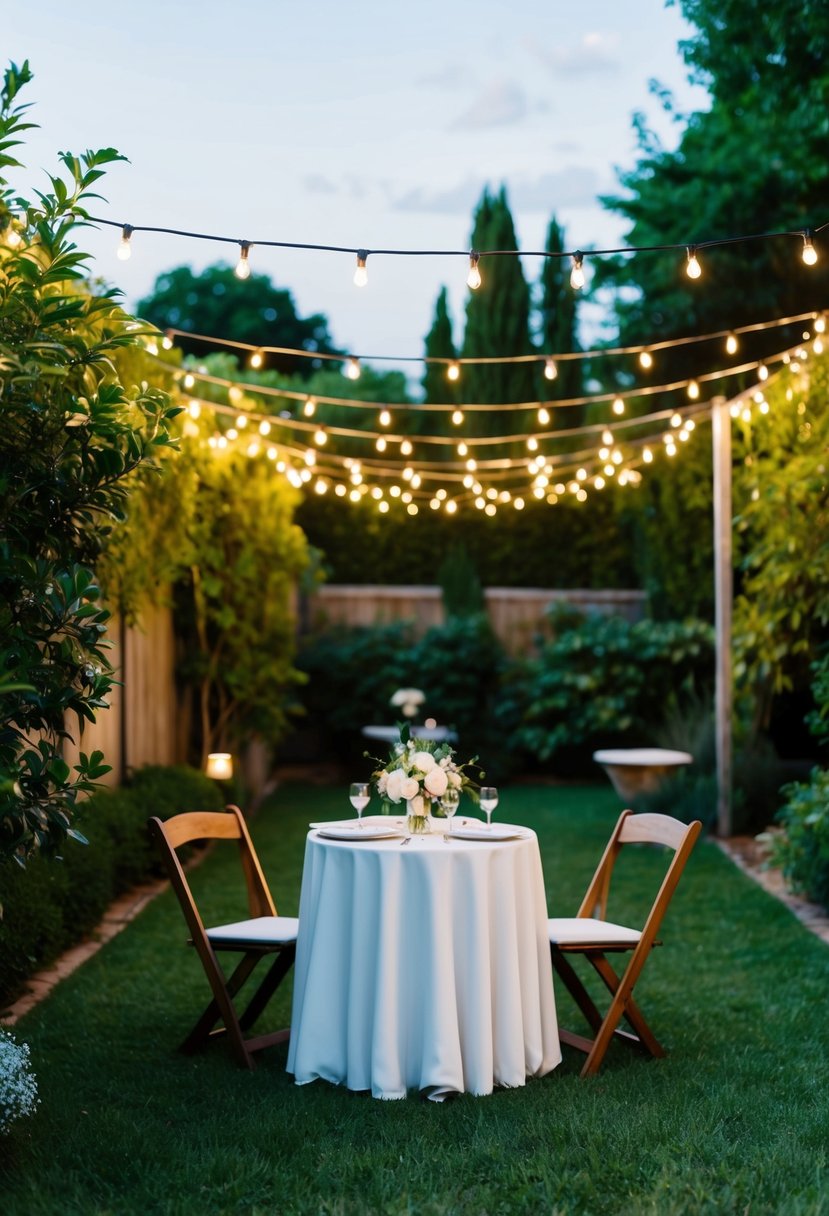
(51, 904)
(801, 849)
(606, 681)
(18, 1087)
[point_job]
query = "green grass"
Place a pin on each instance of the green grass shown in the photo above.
(735, 1119)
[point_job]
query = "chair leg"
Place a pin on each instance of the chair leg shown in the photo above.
(276, 974)
(221, 1008)
(631, 1011)
(576, 988)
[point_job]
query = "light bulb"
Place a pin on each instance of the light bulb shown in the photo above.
(543, 416)
(550, 369)
(385, 418)
(647, 455)
(762, 372)
(692, 266)
(646, 359)
(405, 448)
(320, 437)
(820, 324)
(361, 273)
(693, 389)
(380, 445)
(243, 265)
(618, 406)
(463, 450)
(351, 370)
(309, 407)
(731, 344)
(264, 427)
(124, 248)
(457, 417)
(577, 273)
(189, 380)
(607, 438)
(256, 360)
(809, 253)
(532, 443)
(453, 371)
(473, 279)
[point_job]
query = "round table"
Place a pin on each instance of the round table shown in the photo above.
(422, 966)
(639, 770)
(391, 734)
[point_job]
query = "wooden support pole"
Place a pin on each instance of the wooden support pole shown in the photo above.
(723, 599)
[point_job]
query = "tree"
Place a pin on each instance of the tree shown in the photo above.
(557, 331)
(70, 436)
(497, 322)
(754, 162)
(217, 304)
(437, 387)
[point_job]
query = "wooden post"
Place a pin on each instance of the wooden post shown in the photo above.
(723, 598)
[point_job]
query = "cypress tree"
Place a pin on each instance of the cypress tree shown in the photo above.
(437, 387)
(557, 330)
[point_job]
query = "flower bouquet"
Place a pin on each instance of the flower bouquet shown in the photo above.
(423, 774)
(408, 701)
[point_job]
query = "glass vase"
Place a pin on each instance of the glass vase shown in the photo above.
(418, 819)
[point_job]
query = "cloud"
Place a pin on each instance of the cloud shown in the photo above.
(501, 104)
(573, 186)
(450, 76)
(316, 183)
(594, 53)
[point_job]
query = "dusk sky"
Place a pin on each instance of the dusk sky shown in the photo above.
(358, 124)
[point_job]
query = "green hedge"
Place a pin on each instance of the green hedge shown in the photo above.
(801, 848)
(51, 904)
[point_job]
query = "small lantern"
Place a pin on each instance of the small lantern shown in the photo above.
(219, 766)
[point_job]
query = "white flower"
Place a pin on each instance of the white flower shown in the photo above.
(382, 781)
(416, 806)
(18, 1088)
(425, 761)
(436, 781)
(408, 696)
(394, 784)
(409, 788)
(455, 780)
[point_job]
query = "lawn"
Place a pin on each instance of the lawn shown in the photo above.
(734, 1119)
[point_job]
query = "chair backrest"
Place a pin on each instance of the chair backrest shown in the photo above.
(172, 834)
(642, 829)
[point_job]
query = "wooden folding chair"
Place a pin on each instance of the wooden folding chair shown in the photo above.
(589, 933)
(263, 934)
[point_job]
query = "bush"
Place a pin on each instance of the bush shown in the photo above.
(801, 848)
(605, 681)
(52, 904)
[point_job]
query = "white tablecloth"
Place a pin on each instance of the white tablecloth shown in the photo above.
(423, 965)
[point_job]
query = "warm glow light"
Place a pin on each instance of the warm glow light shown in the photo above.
(731, 344)
(607, 437)
(264, 427)
(820, 324)
(693, 389)
(577, 273)
(351, 370)
(809, 253)
(462, 449)
(473, 279)
(405, 448)
(647, 455)
(692, 266)
(124, 248)
(550, 369)
(543, 416)
(189, 380)
(380, 444)
(762, 372)
(457, 417)
(361, 273)
(256, 360)
(385, 418)
(243, 265)
(618, 406)
(646, 359)
(309, 407)
(320, 437)
(219, 766)
(194, 409)
(453, 371)
(532, 443)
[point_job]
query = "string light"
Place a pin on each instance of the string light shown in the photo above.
(457, 417)
(243, 265)
(645, 359)
(693, 389)
(453, 371)
(320, 437)
(473, 279)
(256, 360)
(809, 253)
(351, 371)
(731, 344)
(361, 273)
(820, 324)
(550, 369)
(309, 408)
(618, 406)
(762, 372)
(692, 266)
(577, 272)
(543, 416)
(124, 248)
(385, 418)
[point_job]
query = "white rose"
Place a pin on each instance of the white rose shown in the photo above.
(425, 761)
(382, 782)
(394, 784)
(455, 779)
(436, 782)
(409, 788)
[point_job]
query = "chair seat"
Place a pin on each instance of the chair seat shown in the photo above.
(260, 931)
(586, 931)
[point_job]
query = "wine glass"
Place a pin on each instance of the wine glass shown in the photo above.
(449, 802)
(489, 801)
(359, 795)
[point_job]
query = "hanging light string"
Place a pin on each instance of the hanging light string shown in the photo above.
(449, 361)
(690, 385)
(576, 256)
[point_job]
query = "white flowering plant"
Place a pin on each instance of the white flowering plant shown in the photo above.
(419, 772)
(18, 1087)
(408, 701)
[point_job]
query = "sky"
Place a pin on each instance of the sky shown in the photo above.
(361, 123)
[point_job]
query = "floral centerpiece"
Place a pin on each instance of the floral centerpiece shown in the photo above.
(408, 701)
(423, 774)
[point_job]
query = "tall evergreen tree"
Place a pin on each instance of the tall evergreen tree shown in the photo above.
(557, 329)
(497, 320)
(437, 387)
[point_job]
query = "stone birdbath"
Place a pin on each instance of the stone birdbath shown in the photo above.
(639, 770)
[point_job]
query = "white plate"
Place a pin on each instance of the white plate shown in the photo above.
(367, 832)
(482, 832)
